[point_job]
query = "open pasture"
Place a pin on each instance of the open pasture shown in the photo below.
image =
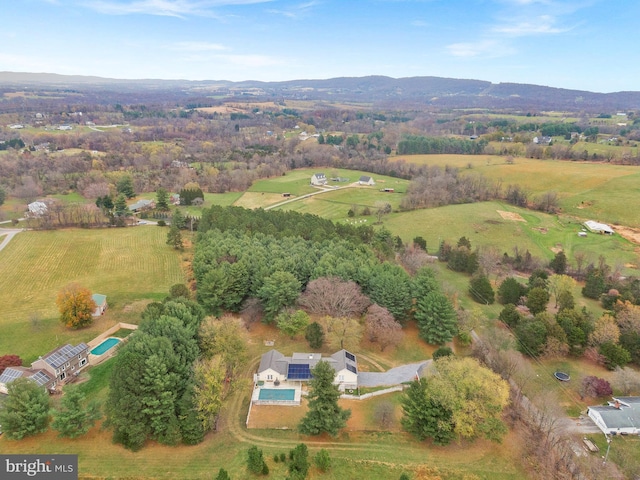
(484, 226)
(596, 191)
(127, 265)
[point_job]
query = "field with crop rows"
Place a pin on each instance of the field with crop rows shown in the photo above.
(125, 264)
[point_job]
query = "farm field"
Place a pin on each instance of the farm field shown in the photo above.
(596, 191)
(127, 265)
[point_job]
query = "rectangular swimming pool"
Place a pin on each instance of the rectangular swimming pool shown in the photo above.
(277, 394)
(105, 346)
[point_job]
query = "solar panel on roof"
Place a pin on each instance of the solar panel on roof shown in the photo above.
(40, 378)
(351, 368)
(9, 375)
(298, 371)
(350, 356)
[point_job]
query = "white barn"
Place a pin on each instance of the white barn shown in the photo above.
(596, 227)
(366, 180)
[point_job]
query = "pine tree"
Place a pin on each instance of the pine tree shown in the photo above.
(437, 320)
(174, 238)
(26, 409)
(324, 414)
(74, 419)
(314, 334)
(425, 417)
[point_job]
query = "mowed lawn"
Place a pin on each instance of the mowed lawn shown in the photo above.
(126, 264)
(597, 191)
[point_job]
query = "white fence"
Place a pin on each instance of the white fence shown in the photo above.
(397, 388)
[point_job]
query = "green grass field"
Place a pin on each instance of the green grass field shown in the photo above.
(596, 191)
(127, 265)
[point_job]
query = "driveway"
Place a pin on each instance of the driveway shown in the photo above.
(395, 376)
(6, 234)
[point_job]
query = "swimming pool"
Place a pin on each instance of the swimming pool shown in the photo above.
(277, 394)
(105, 346)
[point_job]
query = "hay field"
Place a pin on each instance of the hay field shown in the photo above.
(127, 265)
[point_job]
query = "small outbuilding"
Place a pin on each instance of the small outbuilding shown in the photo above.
(101, 304)
(596, 227)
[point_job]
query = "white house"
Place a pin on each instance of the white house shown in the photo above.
(366, 180)
(275, 368)
(596, 227)
(318, 179)
(620, 417)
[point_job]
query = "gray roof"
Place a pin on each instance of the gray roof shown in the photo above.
(139, 204)
(12, 373)
(364, 178)
(278, 362)
(62, 355)
(625, 416)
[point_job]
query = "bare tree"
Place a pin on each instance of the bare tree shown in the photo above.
(627, 380)
(381, 327)
(334, 297)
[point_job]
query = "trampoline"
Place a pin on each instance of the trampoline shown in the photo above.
(563, 377)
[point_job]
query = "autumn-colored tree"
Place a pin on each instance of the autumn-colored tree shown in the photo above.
(76, 306)
(334, 297)
(606, 331)
(9, 361)
(381, 327)
(342, 332)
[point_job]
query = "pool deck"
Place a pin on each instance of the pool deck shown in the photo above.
(255, 396)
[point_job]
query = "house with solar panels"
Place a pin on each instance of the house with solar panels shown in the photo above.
(64, 363)
(41, 377)
(277, 370)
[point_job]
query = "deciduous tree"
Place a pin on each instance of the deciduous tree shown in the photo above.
(292, 323)
(324, 415)
(381, 327)
(334, 297)
(9, 361)
(342, 332)
(76, 306)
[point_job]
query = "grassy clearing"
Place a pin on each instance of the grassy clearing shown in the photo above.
(597, 191)
(483, 225)
(128, 265)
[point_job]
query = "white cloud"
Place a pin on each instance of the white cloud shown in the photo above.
(540, 25)
(295, 11)
(197, 47)
(167, 8)
(485, 49)
(419, 23)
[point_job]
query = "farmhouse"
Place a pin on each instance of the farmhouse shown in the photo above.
(365, 180)
(596, 227)
(620, 417)
(39, 376)
(276, 369)
(101, 304)
(318, 179)
(64, 363)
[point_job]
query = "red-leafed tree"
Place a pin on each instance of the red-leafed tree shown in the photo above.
(381, 327)
(9, 361)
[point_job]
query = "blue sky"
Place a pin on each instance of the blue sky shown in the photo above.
(580, 44)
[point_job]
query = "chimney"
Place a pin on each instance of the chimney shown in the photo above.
(617, 404)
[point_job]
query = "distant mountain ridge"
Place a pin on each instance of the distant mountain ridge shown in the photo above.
(382, 91)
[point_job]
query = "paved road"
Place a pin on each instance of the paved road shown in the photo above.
(6, 234)
(395, 376)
